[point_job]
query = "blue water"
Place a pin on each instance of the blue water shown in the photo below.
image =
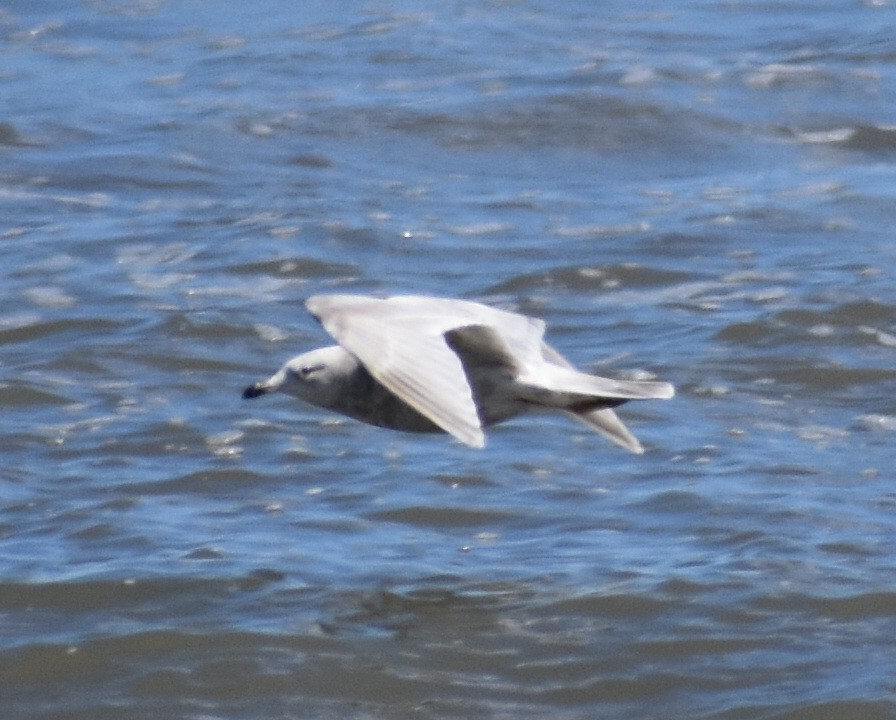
(698, 193)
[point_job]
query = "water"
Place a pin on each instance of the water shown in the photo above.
(701, 193)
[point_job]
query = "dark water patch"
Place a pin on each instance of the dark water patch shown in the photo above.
(134, 172)
(780, 220)
(138, 594)
(704, 647)
(871, 138)
(433, 609)
(787, 470)
(781, 377)
(502, 203)
(647, 687)
(680, 587)
(358, 236)
(98, 532)
(95, 327)
(610, 605)
(75, 362)
(204, 554)
(311, 160)
(755, 333)
(203, 328)
(173, 437)
(143, 667)
(863, 311)
(10, 136)
(857, 709)
(21, 395)
(880, 604)
(169, 673)
(190, 365)
(862, 138)
(828, 378)
(470, 480)
(440, 598)
(444, 517)
(583, 121)
(675, 502)
(208, 483)
(585, 279)
(296, 267)
(804, 327)
(846, 549)
(875, 422)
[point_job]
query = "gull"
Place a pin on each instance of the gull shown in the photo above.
(429, 364)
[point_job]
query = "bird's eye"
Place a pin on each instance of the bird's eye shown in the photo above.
(308, 370)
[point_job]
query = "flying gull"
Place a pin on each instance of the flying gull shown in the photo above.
(427, 364)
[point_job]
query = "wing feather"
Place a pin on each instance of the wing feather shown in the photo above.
(401, 341)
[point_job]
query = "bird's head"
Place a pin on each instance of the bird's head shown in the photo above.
(315, 377)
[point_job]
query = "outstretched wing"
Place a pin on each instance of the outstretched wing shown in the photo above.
(402, 343)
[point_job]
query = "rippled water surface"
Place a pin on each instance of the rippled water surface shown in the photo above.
(700, 192)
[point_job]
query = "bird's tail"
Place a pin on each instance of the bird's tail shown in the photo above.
(608, 424)
(572, 387)
(591, 399)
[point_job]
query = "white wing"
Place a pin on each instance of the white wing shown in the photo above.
(401, 341)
